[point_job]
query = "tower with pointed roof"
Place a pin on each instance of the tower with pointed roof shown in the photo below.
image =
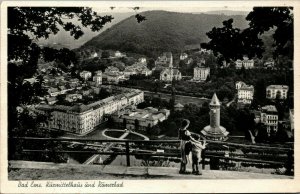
(215, 131)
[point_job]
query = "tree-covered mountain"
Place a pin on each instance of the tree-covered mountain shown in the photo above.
(162, 31)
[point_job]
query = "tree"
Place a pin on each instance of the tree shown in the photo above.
(278, 18)
(231, 43)
(26, 25)
(105, 54)
(151, 64)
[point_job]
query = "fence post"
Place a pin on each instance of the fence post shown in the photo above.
(127, 153)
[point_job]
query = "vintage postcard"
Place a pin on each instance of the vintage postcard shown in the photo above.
(149, 96)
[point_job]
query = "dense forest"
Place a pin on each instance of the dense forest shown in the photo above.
(162, 31)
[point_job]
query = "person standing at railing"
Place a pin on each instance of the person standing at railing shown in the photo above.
(184, 137)
(197, 148)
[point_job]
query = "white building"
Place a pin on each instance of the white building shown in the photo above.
(73, 97)
(111, 69)
(97, 79)
(246, 63)
(269, 117)
(183, 56)
(142, 60)
(114, 77)
(81, 118)
(140, 119)
(277, 91)
(168, 74)
(85, 74)
(239, 84)
(119, 54)
(245, 94)
(201, 73)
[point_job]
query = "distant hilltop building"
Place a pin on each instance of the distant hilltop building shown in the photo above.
(183, 56)
(269, 64)
(142, 60)
(168, 74)
(245, 92)
(215, 131)
(111, 69)
(246, 63)
(277, 91)
(165, 60)
(269, 117)
(81, 119)
(85, 74)
(201, 73)
(118, 54)
(139, 119)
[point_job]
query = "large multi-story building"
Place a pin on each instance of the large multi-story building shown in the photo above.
(245, 92)
(82, 119)
(85, 74)
(168, 74)
(277, 91)
(201, 73)
(269, 117)
(246, 63)
(139, 119)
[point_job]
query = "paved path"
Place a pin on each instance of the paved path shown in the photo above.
(102, 158)
(27, 170)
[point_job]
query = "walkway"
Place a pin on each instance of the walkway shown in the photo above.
(95, 157)
(27, 170)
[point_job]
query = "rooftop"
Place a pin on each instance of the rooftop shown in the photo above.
(269, 108)
(215, 100)
(278, 87)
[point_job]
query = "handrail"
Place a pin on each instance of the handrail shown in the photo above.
(206, 154)
(154, 141)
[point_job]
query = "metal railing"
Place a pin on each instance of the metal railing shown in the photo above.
(286, 154)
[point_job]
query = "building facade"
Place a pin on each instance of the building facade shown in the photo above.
(201, 73)
(85, 74)
(168, 74)
(246, 63)
(269, 117)
(82, 119)
(139, 119)
(97, 79)
(277, 91)
(245, 93)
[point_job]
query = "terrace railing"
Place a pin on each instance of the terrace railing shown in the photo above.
(281, 156)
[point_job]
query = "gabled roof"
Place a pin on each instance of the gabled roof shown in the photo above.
(215, 100)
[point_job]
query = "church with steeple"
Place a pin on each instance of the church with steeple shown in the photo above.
(215, 131)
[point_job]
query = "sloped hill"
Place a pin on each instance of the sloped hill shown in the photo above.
(162, 31)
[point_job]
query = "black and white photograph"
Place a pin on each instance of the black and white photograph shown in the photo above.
(97, 94)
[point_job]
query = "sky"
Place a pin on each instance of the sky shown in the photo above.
(186, 9)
